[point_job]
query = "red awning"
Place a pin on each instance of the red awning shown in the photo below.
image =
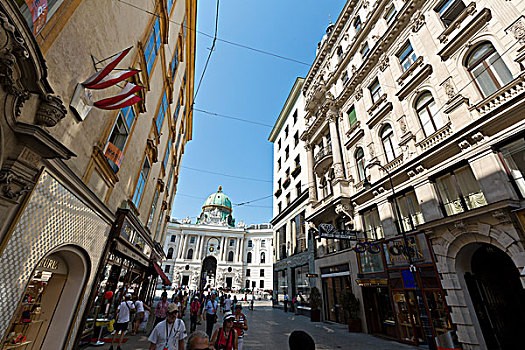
(165, 280)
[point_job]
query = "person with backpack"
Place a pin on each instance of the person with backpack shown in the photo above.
(225, 338)
(122, 317)
(210, 312)
(195, 307)
(240, 324)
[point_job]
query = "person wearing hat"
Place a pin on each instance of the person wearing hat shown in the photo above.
(170, 333)
(225, 338)
(195, 307)
(122, 317)
(240, 324)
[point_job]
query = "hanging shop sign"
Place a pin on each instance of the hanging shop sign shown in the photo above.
(130, 253)
(398, 251)
(372, 282)
(329, 231)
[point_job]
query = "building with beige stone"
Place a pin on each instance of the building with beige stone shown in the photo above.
(85, 193)
(414, 123)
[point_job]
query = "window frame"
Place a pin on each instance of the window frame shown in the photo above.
(375, 90)
(407, 55)
(360, 163)
(387, 140)
(141, 182)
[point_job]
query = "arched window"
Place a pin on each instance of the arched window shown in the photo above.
(249, 258)
(230, 256)
(387, 139)
(427, 112)
(170, 254)
(263, 258)
(360, 162)
(488, 69)
(190, 254)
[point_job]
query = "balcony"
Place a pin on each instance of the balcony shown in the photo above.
(323, 158)
(502, 96)
(436, 137)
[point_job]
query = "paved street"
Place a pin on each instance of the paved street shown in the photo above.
(269, 329)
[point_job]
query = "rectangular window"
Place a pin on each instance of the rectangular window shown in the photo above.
(173, 237)
(449, 10)
(167, 155)
(248, 272)
(375, 90)
(153, 207)
(357, 24)
(372, 224)
(352, 117)
(279, 144)
(279, 207)
(390, 13)
(295, 116)
(514, 162)
(345, 78)
(410, 211)
(300, 233)
(364, 50)
(288, 199)
(407, 56)
(192, 240)
(250, 243)
(279, 164)
(167, 268)
(232, 242)
(297, 161)
(262, 272)
(170, 5)
(118, 137)
(261, 284)
(460, 191)
(151, 49)
(296, 139)
(163, 109)
(286, 152)
(174, 63)
(263, 243)
(286, 132)
(159, 225)
(298, 189)
(143, 176)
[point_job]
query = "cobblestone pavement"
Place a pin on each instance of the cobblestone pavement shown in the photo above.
(269, 329)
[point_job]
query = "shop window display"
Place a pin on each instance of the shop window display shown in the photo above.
(30, 324)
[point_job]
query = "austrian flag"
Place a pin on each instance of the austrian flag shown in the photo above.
(105, 78)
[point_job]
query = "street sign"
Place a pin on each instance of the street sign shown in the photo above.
(329, 231)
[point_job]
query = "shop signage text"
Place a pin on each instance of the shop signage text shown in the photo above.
(49, 264)
(121, 248)
(329, 231)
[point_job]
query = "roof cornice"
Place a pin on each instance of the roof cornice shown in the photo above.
(290, 101)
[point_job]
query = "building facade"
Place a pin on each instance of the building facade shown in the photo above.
(86, 193)
(293, 259)
(216, 253)
(415, 134)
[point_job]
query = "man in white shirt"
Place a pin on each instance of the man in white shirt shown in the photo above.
(122, 318)
(140, 314)
(227, 304)
(210, 312)
(170, 333)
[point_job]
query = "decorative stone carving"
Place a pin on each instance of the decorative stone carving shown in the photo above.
(402, 124)
(419, 169)
(477, 137)
(50, 111)
(418, 20)
(358, 93)
(464, 144)
(449, 87)
(338, 170)
(383, 63)
(501, 216)
(371, 150)
(12, 186)
(460, 225)
(411, 173)
(518, 30)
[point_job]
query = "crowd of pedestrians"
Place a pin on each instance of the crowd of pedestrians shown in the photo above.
(168, 330)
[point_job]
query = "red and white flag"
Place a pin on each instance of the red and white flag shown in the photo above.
(129, 89)
(128, 101)
(101, 74)
(112, 79)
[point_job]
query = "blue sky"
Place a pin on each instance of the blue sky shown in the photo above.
(245, 84)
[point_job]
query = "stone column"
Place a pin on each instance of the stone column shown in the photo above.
(312, 192)
(241, 250)
(184, 246)
(198, 250)
(179, 245)
(223, 250)
(336, 146)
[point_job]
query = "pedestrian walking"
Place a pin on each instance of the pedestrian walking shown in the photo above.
(225, 338)
(140, 308)
(251, 303)
(228, 303)
(161, 309)
(300, 340)
(195, 306)
(285, 302)
(168, 334)
(235, 301)
(210, 312)
(122, 317)
(198, 340)
(240, 324)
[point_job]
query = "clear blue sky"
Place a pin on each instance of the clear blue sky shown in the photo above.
(245, 84)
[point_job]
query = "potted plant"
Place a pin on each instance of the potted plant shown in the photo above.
(315, 305)
(351, 306)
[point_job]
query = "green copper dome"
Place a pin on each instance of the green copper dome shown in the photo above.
(218, 199)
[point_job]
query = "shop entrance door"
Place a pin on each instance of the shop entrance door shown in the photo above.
(498, 298)
(332, 289)
(378, 310)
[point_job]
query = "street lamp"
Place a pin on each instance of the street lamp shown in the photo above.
(408, 252)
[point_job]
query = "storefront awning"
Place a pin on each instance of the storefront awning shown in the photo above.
(165, 280)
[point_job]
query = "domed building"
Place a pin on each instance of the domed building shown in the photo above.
(215, 252)
(217, 210)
